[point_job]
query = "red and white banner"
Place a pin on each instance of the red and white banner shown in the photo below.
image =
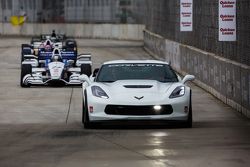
(227, 20)
(186, 15)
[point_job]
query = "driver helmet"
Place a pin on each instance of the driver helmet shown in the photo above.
(48, 46)
(56, 58)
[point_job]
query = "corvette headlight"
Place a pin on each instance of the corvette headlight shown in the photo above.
(98, 92)
(178, 92)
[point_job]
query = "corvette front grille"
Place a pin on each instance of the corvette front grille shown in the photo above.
(137, 110)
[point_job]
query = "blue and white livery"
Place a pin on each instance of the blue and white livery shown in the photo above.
(54, 68)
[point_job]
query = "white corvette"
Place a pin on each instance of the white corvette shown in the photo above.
(136, 90)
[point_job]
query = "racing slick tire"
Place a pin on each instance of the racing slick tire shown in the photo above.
(86, 69)
(71, 45)
(25, 69)
(26, 50)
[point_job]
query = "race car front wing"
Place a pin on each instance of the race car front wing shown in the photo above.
(39, 79)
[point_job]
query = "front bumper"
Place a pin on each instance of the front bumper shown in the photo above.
(180, 110)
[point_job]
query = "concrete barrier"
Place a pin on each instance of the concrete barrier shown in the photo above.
(106, 31)
(227, 80)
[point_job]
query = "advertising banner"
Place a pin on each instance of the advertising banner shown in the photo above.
(186, 15)
(227, 20)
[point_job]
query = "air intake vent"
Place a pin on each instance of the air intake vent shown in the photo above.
(138, 86)
(137, 110)
(56, 51)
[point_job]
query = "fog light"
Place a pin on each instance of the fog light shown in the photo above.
(186, 109)
(91, 109)
(157, 108)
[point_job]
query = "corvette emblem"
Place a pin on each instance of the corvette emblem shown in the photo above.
(138, 98)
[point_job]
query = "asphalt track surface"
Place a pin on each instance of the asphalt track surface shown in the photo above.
(41, 126)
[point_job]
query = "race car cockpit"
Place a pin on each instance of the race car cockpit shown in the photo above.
(56, 56)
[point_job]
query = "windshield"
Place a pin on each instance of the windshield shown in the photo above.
(136, 71)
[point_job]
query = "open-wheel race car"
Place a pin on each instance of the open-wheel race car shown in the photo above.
(54, 67)
(47, 42)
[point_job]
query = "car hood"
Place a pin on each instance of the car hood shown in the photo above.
(137, 91)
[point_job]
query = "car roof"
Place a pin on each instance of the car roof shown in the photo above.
(135, 61)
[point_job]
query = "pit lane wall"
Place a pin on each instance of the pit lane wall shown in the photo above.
(107, 31)
(227, 80)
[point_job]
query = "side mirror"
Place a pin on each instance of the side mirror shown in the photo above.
(187, 78)
(84, 78)
(95, 72)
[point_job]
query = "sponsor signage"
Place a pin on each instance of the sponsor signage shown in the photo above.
(227, 20)
(186, 15)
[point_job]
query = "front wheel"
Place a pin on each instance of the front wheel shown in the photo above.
(189, 122)
(25, 69)
(85, 115)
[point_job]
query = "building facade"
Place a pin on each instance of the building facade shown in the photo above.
(31, 8)
(72, 11)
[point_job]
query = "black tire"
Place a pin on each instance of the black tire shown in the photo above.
(71, 45)
(26, 50)
(85, 115)
(189, 122)
(25, 46)
(86, 69)
(25, 69)
(83, 110)
(84, 104)
(22, 57)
